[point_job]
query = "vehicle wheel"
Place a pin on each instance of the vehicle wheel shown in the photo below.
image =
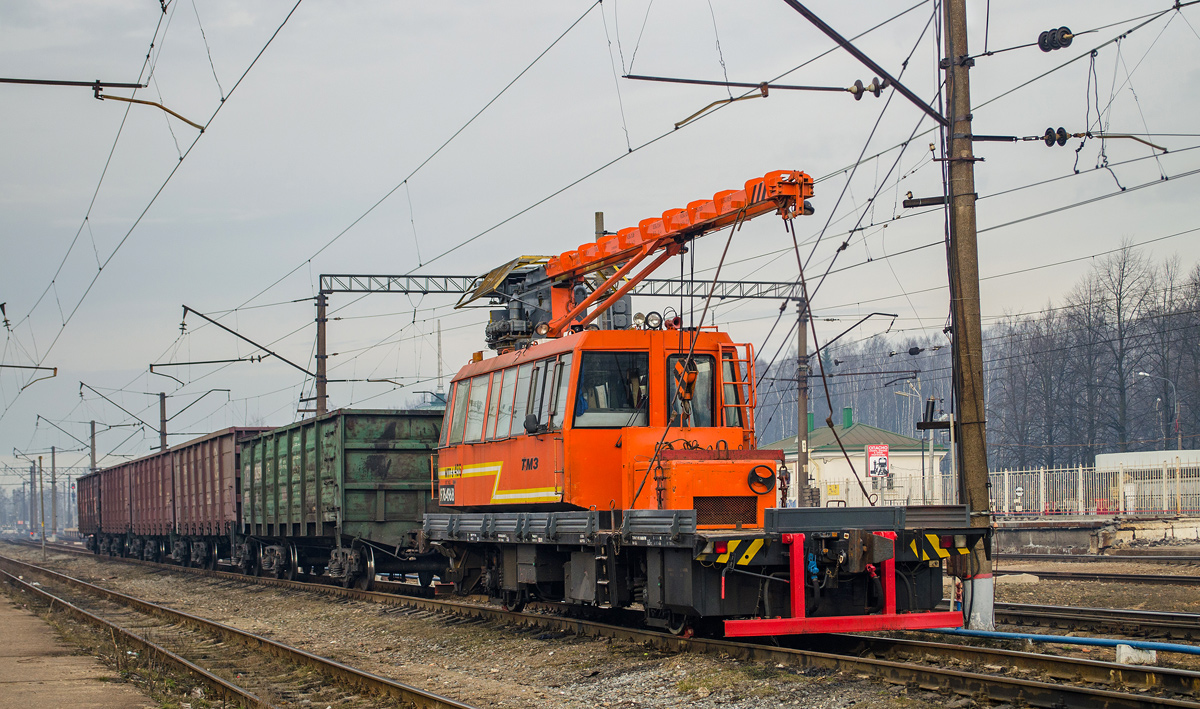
(514, 601)
(211, 562)
(679, 625)
(366, 581)
(425, 578)
(293, 563)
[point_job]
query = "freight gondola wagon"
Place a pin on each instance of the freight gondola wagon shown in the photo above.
(343, 493)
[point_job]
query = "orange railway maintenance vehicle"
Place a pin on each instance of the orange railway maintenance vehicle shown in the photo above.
(604, 459)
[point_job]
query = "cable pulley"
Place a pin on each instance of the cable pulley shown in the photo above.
(1051, 40)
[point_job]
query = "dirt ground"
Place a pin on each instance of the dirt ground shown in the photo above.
(490, 664)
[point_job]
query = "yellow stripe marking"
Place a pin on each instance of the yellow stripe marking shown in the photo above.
(754, 547)
(480, 470)
(936, 544)
(733, 545)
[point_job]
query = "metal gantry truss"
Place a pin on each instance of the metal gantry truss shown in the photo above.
(457, 285)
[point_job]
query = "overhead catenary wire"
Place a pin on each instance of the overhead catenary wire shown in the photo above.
(153, 199)
(424, 162)
(579, 180)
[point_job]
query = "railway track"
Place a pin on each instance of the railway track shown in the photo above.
(1107, 621)
(1134, 558)
(1153, 579)
(950, 668)
(237, 666)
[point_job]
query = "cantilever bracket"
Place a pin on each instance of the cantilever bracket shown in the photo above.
(101, 96)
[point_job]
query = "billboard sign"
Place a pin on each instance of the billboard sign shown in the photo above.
(878, 465)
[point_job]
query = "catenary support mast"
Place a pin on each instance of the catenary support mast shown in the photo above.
(800, 482)
(978, 595)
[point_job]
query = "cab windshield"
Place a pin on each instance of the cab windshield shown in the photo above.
(613, 390)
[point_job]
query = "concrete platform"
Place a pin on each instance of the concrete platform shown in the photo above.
(38, 671)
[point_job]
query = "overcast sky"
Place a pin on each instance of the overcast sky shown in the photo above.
(351, 98)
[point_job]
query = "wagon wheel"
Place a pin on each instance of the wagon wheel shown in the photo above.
(211, 562)
(293, 563)
(187, 556)
(367, 581)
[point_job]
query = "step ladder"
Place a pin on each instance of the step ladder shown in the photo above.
(737, 388)
(604, 591)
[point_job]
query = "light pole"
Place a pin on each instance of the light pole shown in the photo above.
(1175, 396)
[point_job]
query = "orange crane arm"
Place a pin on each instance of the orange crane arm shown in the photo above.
(782, 191)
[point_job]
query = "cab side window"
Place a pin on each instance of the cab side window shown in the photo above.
(521, 402)
(551, 380)
(459, 416)
(690, 390)
(476, 409)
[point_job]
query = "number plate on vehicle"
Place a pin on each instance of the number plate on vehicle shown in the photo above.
(446, 495)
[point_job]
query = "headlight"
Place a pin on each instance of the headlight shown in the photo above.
(542, 329)
(653, 321)
(639, 319)
(593, 327)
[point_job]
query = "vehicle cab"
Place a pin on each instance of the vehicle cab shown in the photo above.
(610, 420)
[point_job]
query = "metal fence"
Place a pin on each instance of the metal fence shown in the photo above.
(1168, 488)
(936, 489)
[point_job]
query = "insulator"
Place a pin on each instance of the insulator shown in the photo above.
(1060, 136)
(857, 89)
(1050, 40)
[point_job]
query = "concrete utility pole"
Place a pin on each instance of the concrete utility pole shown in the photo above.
(32, 497)
(979, 591)
(440, 389)
(42, 504)
(322, 378)
(93, 447)
(801, 482)
(162, 421)
(53, 495)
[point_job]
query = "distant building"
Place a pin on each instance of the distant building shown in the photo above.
(913, 472)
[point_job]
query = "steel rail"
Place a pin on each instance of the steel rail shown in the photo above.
(1105, 578)
(418, 698)
(1134, 558)
(1054, 667)
(1031, 692)
(224, 690)
(1113, 621)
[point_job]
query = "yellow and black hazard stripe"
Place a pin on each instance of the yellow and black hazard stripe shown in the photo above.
(743, 551)
(929, 547)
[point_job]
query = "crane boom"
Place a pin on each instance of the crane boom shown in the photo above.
(783, 192)
(547, 296)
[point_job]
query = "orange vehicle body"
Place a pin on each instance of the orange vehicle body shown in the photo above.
(570, 464)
